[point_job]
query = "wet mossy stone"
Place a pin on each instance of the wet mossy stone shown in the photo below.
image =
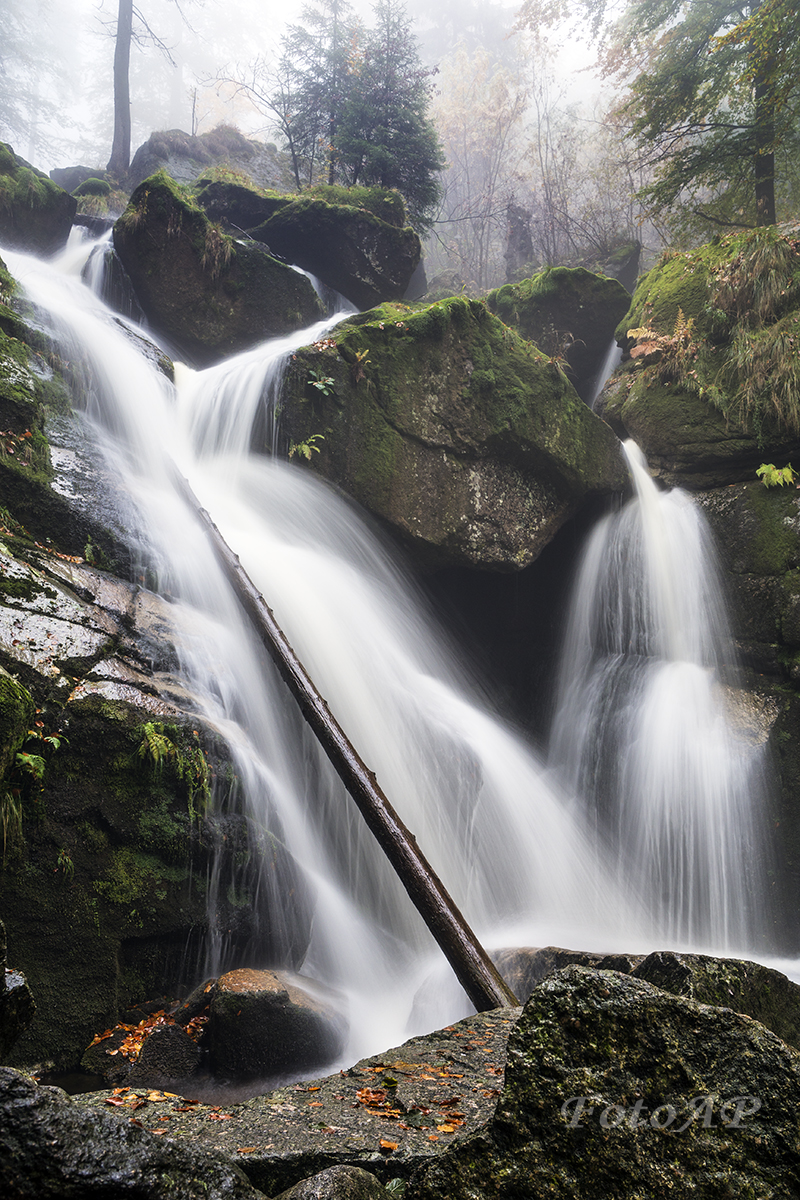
(616, 1088)
(462, 437)
(35, 213)
(50, 1147)
(210, 295)
(355, 240)
(747, 987)
(568, 311)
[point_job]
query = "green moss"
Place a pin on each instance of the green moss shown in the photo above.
(93, 187)
(388, 205)
(773, 549)
(134, 878)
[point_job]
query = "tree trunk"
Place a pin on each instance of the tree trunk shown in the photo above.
(474, 969)
(764, 157)
(121, 148)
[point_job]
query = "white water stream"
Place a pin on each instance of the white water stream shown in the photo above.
(647, 730)
(526, 864)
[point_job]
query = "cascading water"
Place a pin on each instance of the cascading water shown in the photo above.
(644, 730)
(518, 862)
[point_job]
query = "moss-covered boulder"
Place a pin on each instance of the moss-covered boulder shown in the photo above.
(566, 311)
(464, 438)
(616, 1088)
(355, 240)
(209, 295)
(35, 213)
(712, 379)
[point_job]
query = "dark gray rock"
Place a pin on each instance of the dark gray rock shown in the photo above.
(337, 1183)
(355, 240)
(264, 1023)
(209, 295)
(184, 157)
(746, 987)
(566, 311)
(525, 967)
(615, 1088)
(168, 1056)
(49, 1147)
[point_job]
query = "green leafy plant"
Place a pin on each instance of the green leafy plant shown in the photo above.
(357, 368)
(772, 476)
(323, 383)
(307, 448)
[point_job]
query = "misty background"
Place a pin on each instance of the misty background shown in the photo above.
(524, 121)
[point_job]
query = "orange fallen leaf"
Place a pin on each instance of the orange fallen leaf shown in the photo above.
(388, 1146)
(446, 1128)
(246, 1149)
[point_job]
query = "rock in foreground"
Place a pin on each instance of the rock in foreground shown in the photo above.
(49, 1147)
(615, 1088)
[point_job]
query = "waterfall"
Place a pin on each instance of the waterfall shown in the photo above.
(516, 856)
(646, 730)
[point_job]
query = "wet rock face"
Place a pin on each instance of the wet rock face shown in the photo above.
(51, 1148)
(17, 1005)
(35, 214)
(614, 1088)
(262, 1023)
(467, 441)
(565, 311)
(210, 296)
(355, 240)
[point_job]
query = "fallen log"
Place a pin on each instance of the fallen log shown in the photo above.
(472, 966)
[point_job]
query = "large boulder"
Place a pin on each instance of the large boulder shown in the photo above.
(616, 1088)
(209, 295)
(263, 1023)
(355, 240)
(185, 156)
(468, 442)
(565, 311)
(49, 1147)
(709, 387)
(35, 214)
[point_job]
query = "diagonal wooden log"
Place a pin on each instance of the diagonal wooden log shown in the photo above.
(472, 966)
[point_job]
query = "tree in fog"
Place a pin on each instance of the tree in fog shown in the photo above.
(713, 98)
(385, 136)
(351, 103)
(35, 81)
(479, 114)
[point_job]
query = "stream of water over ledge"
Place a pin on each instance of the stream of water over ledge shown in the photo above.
(640, 833)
